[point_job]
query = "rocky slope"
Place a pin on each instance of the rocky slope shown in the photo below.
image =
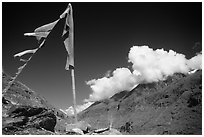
(173, 106)
(26, 112)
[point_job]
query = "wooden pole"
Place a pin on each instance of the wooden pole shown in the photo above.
(74, 95)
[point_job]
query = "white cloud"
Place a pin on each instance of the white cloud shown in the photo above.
(155, 65)
(105, 87)
(148, 66)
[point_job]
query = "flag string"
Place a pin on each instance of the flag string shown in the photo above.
(20, 69)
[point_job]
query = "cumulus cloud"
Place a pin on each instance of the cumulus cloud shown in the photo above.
(121, 79)
(155, 65)
(148, 65)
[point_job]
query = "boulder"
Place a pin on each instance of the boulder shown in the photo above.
(106, 131)
(111, 132)
(20, 118)
(78, 131)
(84, 126)
(25, 112)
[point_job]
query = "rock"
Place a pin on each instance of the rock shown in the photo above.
(20, 118)
(28, 111)
(47, 121)
(106, 131)
(84, 126)
(24, 112)
(101, 130)
(112, 132)
(77, 130)
(4, 101)
(34, 131)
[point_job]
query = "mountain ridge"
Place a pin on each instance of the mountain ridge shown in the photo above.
(172, 106)
(148, 103)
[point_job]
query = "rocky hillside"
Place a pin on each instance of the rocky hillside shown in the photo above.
(26, 112)
(173, 106)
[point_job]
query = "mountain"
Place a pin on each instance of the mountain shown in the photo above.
(173, 106)
(79, 108)
(26, 112)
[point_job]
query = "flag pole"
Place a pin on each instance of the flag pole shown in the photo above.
(74, 95)
(70, 48)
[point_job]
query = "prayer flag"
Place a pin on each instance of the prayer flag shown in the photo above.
(25, 52)
(68, 37)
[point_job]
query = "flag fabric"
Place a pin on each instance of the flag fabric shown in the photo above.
(24, 60)
(68, 35)
(21, 67)
(43, 31)
(25, 52)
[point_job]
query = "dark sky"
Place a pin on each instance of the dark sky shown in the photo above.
(104, 33)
